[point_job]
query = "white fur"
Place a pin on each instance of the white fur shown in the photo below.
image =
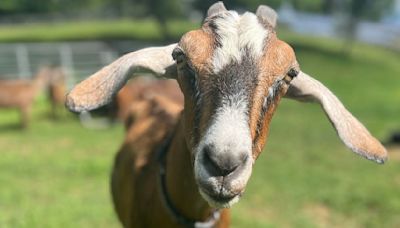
(252, 34)
(228, 33)
(230, 127)
(237, 32)
(216, 204)
(229, 133)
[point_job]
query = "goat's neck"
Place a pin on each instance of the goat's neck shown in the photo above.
(181, 185)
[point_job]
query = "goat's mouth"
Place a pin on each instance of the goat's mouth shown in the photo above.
(222, 191)
(220, 200)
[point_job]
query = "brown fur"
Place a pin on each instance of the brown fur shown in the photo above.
(277, 61)
(198, 46)
(154, 117)
(142, 88)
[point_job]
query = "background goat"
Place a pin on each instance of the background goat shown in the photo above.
(140, 88)
(233, 73)
(21, 93)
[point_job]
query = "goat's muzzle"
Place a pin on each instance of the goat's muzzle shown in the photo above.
(222, 175)
(223, 164)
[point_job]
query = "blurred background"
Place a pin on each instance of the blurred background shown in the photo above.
(55, 166)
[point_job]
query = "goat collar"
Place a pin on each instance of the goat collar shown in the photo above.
(172, 210)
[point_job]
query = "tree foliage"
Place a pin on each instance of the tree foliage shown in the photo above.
(163, 10)
(368, 9)
(249, 5)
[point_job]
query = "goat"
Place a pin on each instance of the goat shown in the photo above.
(140, 88)
(57, 91)
(21, 93)
(187, 169)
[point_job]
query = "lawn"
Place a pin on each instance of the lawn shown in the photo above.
(56, 173)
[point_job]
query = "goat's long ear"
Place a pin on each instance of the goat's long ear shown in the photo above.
(98, 89)
(354, 135)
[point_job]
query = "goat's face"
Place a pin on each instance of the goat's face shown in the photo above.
(233, 72)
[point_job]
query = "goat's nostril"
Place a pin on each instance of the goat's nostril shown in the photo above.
(221, 164)
(210, 162)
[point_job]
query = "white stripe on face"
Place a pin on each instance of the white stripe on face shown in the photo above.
(230, 127)
(235, 33)
(228, 133)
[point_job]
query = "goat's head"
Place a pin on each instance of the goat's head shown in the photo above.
(233, 72)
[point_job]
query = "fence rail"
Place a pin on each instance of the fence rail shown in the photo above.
(78, 59)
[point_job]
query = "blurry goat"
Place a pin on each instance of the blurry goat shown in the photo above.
(139, 89)
(21, 93)
(185, 170)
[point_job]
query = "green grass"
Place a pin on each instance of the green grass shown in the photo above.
(146, 30)
(56, 174)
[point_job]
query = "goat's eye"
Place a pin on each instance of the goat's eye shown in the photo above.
(292, 73)
(178, 55)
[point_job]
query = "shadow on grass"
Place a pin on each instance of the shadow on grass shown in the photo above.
(393, 139)
(10, 127)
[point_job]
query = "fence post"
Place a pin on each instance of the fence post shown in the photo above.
(106, 57)
(67, 63)
(23, 63)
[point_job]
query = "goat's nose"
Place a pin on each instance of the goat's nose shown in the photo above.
(222, 163)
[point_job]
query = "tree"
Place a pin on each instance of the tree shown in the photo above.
(248, 5)
(369, 9)
(26, 6)
(357, 10)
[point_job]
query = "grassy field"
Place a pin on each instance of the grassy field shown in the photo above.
(56, 173)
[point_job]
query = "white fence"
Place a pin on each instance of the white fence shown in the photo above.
(78, 59)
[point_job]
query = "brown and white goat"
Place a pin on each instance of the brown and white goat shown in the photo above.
(233, 71)
(21, 93)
